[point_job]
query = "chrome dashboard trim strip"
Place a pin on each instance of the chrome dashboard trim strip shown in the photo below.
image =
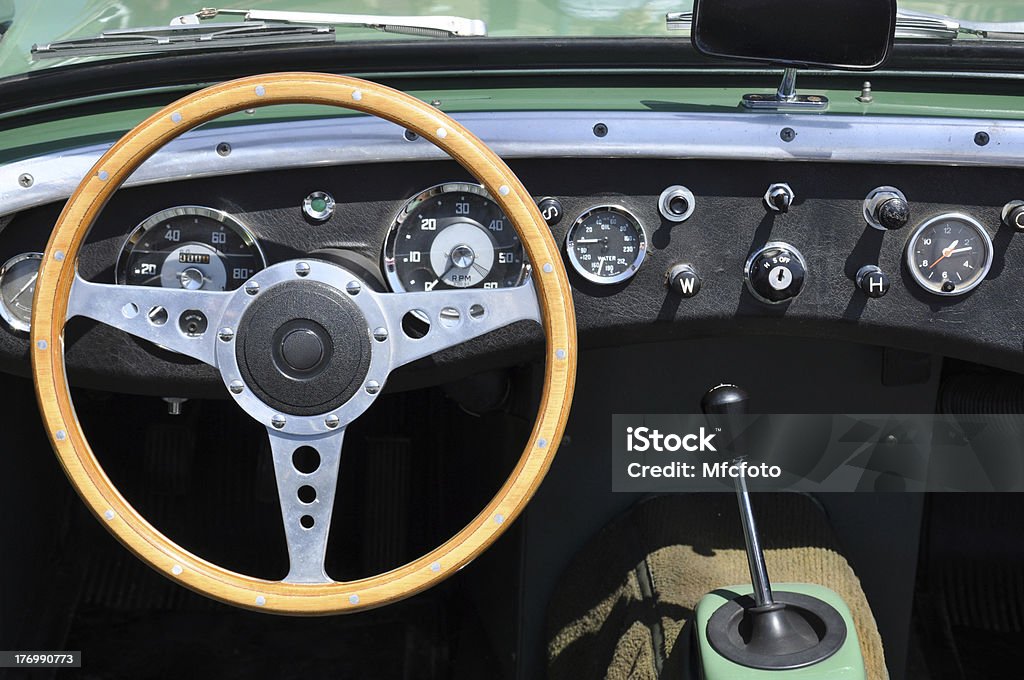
(537, 134)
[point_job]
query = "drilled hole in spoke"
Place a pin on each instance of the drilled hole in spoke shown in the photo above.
(130, 310)
(450, 317)
(307, 522)
(416, 324)
(157, 316)
(477, 311)
(307, 494)
(306, 460)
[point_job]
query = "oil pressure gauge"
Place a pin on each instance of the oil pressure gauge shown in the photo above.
(949, 254)
(606, 244)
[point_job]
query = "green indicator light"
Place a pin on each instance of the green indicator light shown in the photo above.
(318, 204)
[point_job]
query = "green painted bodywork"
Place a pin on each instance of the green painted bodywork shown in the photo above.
(38, 21)
(846, 664)
(44, 21)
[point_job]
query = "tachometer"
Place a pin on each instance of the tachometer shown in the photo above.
(949, 254)
(189, 247)
(453, 236)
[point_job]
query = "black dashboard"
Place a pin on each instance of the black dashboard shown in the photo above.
(730, 221)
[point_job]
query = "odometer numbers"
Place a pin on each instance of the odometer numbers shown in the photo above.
(190, 247)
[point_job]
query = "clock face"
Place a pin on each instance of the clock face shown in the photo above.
(950, 254)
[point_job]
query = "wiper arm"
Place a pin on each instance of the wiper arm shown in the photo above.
(182, 37)
(925, 25)
(258, 27)
(911, 25)
(431, 26)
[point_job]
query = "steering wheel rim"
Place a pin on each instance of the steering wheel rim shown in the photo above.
(58, 276)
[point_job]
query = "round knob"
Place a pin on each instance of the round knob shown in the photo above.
(872, 281)
(683, 280)
(886, 208)
(776, 273)
(726, 408)
(779, 197)
(1013, 215)
(725, 399)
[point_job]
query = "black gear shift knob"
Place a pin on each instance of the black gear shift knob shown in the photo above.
(725, 400)
(725, 406)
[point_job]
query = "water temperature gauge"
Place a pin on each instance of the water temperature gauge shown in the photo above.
(606, 244)
(775, 273)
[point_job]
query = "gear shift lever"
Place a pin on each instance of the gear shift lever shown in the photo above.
(781, 630)
(725, 406)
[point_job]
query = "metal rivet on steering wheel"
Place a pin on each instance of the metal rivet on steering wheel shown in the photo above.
(350, 338)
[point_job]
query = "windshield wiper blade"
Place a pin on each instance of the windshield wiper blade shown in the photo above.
(183, 37)
(911, 25)
(431, 26)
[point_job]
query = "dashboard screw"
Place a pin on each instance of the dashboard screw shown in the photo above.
(788, 134)
(372, 387)
(353, 288)
(331, 421)
(302, 268)
(600, 130)
(236, 386)
(278, 421)
(252, 288)
(411, 136)
(224, 149)
(981, 138)
(380, 334)
(225, 334)
(26, 180)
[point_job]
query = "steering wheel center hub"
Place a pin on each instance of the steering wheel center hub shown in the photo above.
(303, 347)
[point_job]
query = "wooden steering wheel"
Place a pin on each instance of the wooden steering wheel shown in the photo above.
(361, 334)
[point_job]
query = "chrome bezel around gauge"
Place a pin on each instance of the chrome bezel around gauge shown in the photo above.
(972, 223)
(390, 240)
(634, 266)
(153, 220)
(6, 313)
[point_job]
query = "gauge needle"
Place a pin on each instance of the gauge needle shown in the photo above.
(946, 252)
(31, 281)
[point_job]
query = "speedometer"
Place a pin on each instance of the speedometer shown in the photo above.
(453, 236)
(189, 247)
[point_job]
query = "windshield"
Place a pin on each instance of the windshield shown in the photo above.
(30, 22)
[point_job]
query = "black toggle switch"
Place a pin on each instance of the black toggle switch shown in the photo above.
(872, 281)
(779, 197)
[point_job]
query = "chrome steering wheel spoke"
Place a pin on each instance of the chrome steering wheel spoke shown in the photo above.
(454, 317)
(185, 321)
(306, 470)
